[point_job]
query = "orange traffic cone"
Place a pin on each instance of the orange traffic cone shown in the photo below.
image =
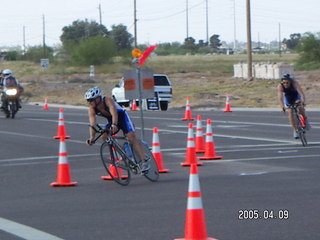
(188, 114)
(63, 171)
(195, 225)
(61, 133)
(191, 157)
(228, 106)
(134, 105)
(156, 152)
(200, 147)
(114, 173)
(210, 152)
(45, 106)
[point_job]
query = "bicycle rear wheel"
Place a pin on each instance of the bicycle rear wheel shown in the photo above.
(114, 161)
(153, 172)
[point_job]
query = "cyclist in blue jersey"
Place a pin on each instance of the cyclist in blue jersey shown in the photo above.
(117, 119)
(290, 91)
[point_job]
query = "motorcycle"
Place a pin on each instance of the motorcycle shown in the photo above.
(10, 98)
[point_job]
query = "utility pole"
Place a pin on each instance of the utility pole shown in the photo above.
(100, 16)
(234, 26)
(24, 41)
(44, 36)
(135, 24)
(249, 46)
(207, 22)
(279, 40)
(187, 18)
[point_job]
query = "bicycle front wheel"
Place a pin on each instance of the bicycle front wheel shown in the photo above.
(302, 136)
(114, 161)
(301, 131)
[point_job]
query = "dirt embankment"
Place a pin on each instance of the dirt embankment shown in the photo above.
(206, 90)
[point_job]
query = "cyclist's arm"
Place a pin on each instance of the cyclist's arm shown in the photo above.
(114, 113)
(92, 121)
(280, 97)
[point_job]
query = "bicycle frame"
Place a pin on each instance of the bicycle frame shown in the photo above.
(300, 125)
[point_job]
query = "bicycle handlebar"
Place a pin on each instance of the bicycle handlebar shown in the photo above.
(98, 129)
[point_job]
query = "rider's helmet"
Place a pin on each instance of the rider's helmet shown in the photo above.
(7, 72)
(287, 77)
(92, 93)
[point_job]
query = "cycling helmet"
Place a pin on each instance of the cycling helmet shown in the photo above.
(7, 72)
(287, 77)
(92, 93)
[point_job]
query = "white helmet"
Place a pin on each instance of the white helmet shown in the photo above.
(7, 72)
(92, 93)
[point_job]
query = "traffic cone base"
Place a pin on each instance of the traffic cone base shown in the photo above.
(210, 153)
(208, 238)
(210, 158)
(189, 164)
(114, 173)
(63, 176)
(110, 178)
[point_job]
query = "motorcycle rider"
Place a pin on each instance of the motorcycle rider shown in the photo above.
(6, 79)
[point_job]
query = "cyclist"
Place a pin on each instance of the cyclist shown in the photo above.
(289, 92)
(117, 116)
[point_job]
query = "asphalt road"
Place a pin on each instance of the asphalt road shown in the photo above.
(263, 171)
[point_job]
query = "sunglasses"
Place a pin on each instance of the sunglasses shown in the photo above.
(90, 100)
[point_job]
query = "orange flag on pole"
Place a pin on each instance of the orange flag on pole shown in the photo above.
(146, 54)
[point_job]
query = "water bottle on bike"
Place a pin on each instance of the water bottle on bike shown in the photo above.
(128, 150)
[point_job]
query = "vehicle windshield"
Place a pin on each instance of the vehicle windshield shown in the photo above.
(161, 81)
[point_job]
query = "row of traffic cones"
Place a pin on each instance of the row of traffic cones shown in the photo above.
(188, 113)
(195, 223)
(198, 145)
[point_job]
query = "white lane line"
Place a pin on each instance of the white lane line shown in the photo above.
(20, 134)
(288, 151)
(257, 159)
(217, 135)
(47, 157)
(25, 232)
(252, 174)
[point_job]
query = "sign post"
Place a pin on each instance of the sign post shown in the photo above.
(144, 79)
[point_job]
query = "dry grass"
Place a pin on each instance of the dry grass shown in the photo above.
(205, 79)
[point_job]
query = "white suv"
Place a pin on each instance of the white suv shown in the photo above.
(162, 86)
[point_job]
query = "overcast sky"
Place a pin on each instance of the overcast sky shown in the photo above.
(159, 20)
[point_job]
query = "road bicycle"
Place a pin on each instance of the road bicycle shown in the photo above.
(120, 159)
(300, 123)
